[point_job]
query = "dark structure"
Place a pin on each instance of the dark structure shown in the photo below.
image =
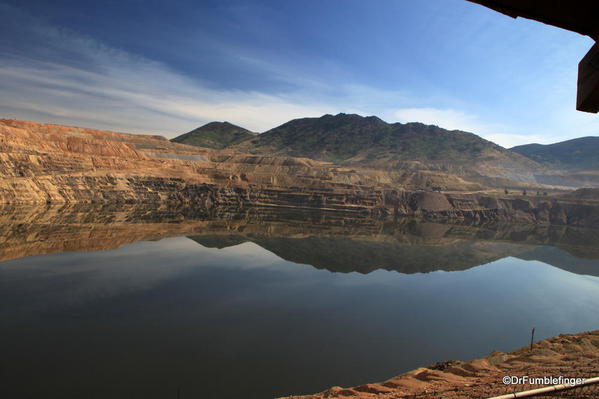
(580, 16)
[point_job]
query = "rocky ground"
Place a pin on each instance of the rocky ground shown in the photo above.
(575, 356)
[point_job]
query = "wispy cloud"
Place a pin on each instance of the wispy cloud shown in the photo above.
(82, 81)
(68, 78)
(136, 96)
(59, 76)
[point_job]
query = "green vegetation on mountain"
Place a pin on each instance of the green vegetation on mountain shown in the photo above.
(369, 140)
(581, 153)
(215, 135)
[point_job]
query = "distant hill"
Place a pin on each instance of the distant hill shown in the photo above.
(581, 153)
(350, 138)
(215, 135)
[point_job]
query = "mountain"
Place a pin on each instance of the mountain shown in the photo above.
(215, 135)
(353, 139)
(46, 164)
(581, 153)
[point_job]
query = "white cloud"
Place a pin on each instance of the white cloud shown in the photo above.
(458, 120)
(68, 79)
(511, 140)
(63, 77)
(135, 95)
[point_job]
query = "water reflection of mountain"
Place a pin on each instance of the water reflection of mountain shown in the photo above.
(346, 254)
(559, 258)
(324, 240)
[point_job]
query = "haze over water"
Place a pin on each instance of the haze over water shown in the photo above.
(219, 316)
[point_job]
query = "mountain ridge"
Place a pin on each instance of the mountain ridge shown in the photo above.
(217, 135)
(354, 139)
(44, 164)
(579, 153)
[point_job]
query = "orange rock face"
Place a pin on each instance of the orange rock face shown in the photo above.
(42, 163)
(47, 163)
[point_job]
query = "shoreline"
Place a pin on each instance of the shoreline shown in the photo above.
(566, 355)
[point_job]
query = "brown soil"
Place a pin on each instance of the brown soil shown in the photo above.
(574, 356)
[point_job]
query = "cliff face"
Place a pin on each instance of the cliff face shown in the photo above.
(56, 164)
(47, 163)
(528, 209)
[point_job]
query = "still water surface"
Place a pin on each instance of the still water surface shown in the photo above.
(235, 320)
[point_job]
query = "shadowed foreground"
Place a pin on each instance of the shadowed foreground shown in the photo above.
(572, 356)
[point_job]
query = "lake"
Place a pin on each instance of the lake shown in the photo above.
(133, 302)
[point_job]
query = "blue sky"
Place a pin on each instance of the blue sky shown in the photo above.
(167, 67)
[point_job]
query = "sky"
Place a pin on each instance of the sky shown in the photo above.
(163, 67)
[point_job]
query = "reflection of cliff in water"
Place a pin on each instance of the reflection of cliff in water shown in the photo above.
(324, 240)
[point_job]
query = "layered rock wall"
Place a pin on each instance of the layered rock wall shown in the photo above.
(57, 164)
